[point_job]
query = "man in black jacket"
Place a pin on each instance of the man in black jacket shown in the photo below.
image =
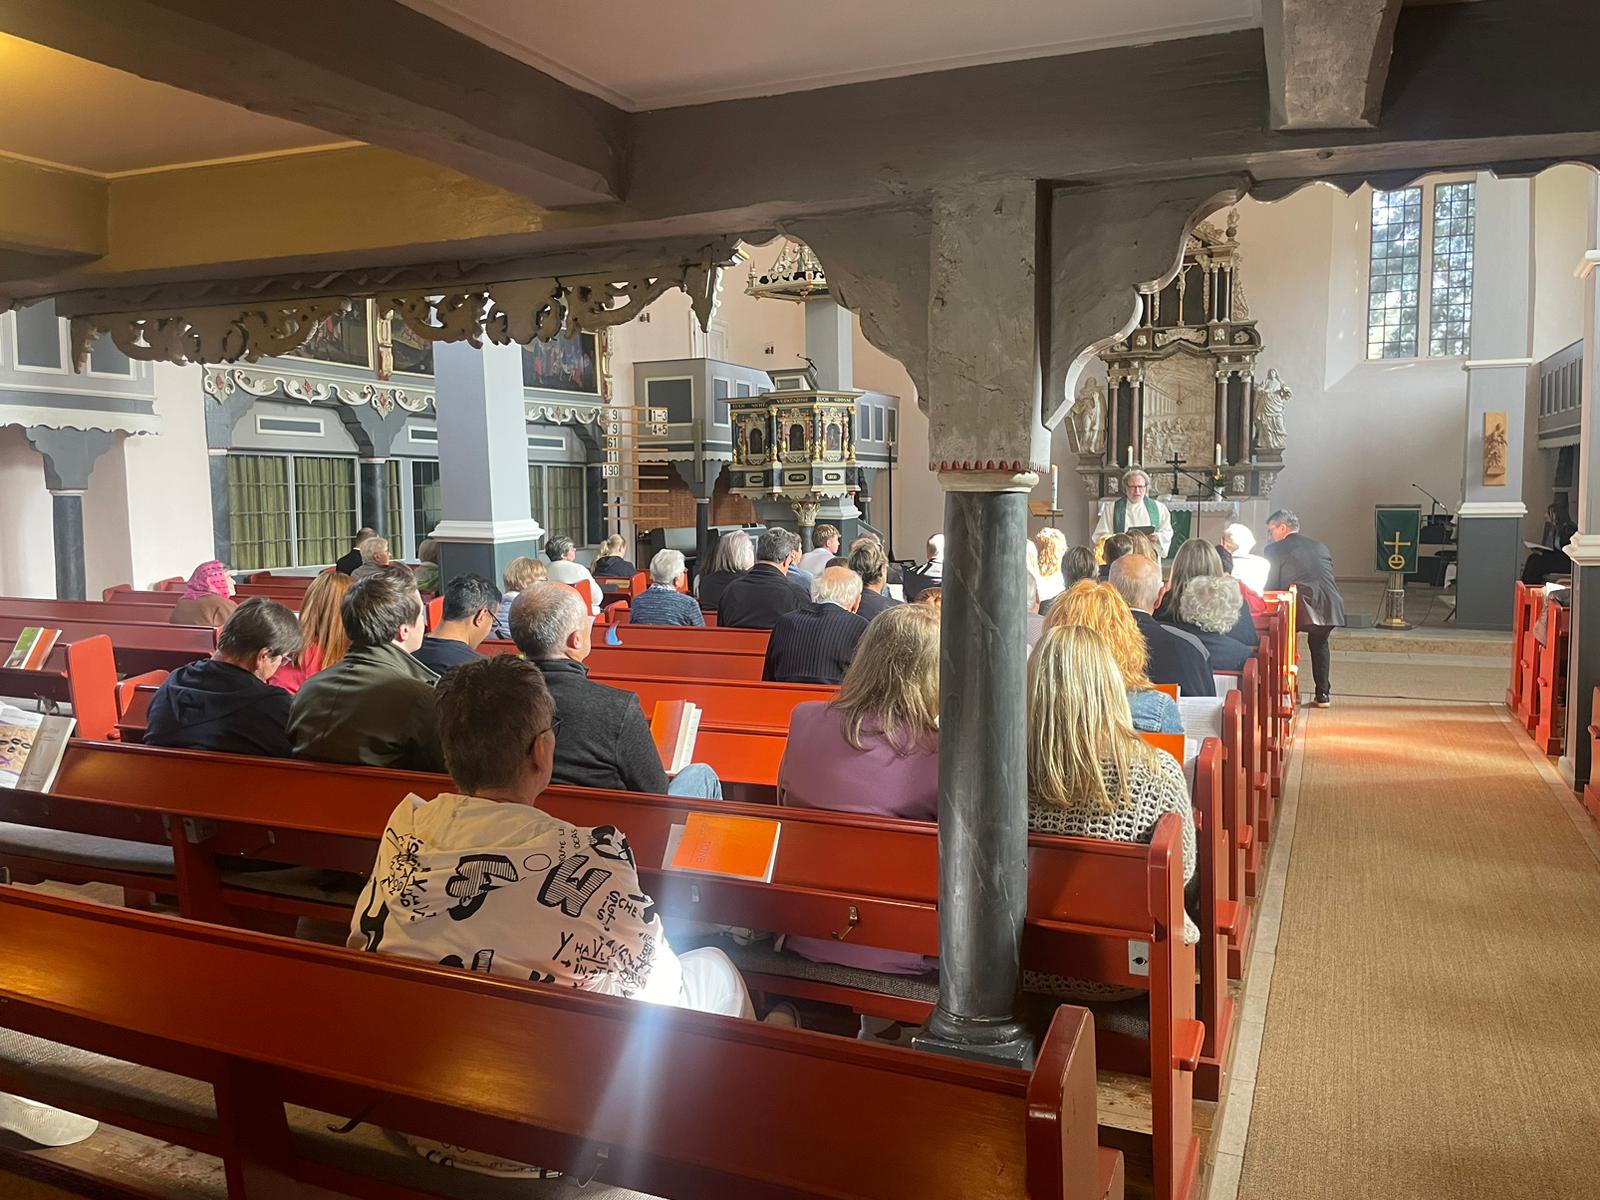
(756, 599)
(602, 737)
(470, 605)
(815, 644)
(224, 702)
(868, 560)
(1306, 565)
(351, 559)
(1175, 656)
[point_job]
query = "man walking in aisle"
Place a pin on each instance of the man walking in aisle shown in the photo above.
(1306, 565)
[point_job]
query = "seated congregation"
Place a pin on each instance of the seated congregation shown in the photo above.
(494, 687)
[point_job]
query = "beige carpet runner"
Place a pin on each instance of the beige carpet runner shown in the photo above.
(1434, 1020)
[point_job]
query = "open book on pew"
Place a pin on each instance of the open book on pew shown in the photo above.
(31, 748)
(675, 726)
(734, 847)
(32, 647)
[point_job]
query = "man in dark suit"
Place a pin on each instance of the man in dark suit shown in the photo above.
(868, 560)
(1305, 564)
(930, 574)
(815, 644)
(1175, 656)
(351, 559)
(756, 599)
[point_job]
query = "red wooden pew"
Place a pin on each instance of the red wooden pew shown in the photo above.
(875, 878)
(135, 648)
(281, 1023)
(1550, 715)
(1523, 609)
(80, 672)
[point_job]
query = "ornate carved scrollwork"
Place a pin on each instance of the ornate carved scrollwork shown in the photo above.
(518, 310)
(206, 335)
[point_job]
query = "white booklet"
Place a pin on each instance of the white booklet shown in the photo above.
(31, 748)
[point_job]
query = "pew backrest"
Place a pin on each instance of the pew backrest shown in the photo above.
(81, 673)
(135, 647)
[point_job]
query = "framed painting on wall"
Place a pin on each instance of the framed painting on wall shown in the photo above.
(563, 365)
(344, 338)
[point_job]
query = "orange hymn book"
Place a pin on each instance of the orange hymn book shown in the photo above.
(738, 847)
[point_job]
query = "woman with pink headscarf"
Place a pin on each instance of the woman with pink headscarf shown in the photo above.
(206, 600)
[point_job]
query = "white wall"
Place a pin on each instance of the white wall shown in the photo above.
(27, 546)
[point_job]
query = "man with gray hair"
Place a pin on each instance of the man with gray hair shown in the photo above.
(602, 737)
(1306, 565)
(1175, 656)
(815, 644)
(756, 599)
(662, 603)
(1136, 510)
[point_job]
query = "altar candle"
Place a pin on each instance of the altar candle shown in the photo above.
(1054, 483)
(1128, 461)
(1219, 454)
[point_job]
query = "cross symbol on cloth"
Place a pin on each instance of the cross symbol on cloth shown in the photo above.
(1396, 544)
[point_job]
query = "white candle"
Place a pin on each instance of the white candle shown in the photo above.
(1128, 462)
(1054, 484)
(1219, 454)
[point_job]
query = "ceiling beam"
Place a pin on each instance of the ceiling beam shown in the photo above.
(50, 219)
(1327, 61)
(375, 71)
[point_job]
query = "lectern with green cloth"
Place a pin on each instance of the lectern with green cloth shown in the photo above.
(1398, 527)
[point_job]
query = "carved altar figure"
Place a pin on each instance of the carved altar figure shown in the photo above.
(1272, 396)
(1087, 416)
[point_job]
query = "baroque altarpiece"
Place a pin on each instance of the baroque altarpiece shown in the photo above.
(1183, 385)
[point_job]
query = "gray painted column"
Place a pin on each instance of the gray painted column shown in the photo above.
(1490, 524)
(69, 457)
(983, 778)
(988, 443)
(830, 343)
(374, 512)
(1583, 666)
(483, 460)
(66, 516)
(221, 505)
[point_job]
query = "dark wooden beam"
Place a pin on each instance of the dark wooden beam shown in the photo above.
(1327, 61)
(375, 71)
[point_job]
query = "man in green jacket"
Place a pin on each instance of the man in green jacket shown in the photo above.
(375, 706)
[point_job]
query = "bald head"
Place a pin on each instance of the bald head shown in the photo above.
(1138, 581)
(840, 585)
(551, 621)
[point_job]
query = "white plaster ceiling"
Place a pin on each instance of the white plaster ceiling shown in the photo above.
(642, 54)
(75, 113)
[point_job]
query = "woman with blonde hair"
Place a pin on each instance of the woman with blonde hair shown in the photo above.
(520, 574)
(608, 561)
(1100, 607)
(1197, 559)
(427, 574)
(1144, 544)
(1052, 547)
(1089, 773)
(323, 637)
(872, 749)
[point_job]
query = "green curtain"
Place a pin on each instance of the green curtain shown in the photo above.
(426, 506)
(391, 509)
(258, 512)
(536, 508)
(566, 503)
(324, 507)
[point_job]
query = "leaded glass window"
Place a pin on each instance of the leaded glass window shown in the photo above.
(1393, 289)
(259, 522)
(565, 503)
(1450, 291)
(324, 507)
(393, 503)
(536, 508)
(426, 505)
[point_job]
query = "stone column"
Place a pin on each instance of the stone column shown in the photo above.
(483, 460)
(1490, 521)
(1220, 418)
(374, 511)
(1583, 667)
(987, 442)
(830, 343)
(221, 505)
(69, 457)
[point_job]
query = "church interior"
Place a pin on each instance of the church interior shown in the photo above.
(1024, 564)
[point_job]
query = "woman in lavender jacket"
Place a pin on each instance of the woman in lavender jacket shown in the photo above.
(873, 750)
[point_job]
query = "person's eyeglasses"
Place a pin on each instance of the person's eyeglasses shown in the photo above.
(554, 731)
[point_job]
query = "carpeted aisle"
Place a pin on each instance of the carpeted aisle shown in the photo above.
(1433, 1025)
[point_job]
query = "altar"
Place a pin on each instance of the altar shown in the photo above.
(1182, 400)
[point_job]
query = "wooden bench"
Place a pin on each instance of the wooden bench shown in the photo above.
(135, 648)
(1591, 789)
(1550, 720)
(1522, 616)
(684, 638)
(285, 1032)
(874, 880)
(80, 672)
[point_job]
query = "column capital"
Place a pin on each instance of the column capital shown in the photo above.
(1584, 549)
(1492, 508)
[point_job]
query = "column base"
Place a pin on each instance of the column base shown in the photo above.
(1490, 548)
(1003, 1042)
(484, 547)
